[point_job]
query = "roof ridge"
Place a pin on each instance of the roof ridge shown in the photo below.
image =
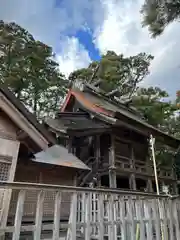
(113, 101)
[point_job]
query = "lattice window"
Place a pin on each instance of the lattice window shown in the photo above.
(4, 171)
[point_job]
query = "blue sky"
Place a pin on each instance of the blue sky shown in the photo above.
(81, 30)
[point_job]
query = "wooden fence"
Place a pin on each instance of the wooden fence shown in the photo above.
(95, 214)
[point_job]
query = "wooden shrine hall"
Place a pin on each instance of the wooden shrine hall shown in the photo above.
(112, 139)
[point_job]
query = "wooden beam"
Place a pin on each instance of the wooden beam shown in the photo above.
(21, 135)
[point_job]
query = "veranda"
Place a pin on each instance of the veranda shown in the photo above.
(94, 214)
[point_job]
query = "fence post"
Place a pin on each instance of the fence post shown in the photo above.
(39, 215)
(57, 208)
(88, 203)
(19, 214)
(101, 216)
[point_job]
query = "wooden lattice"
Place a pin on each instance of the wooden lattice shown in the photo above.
(4, 171)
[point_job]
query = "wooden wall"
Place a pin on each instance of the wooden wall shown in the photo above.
(9, 149)
(7, 128)
(28, 171)
(131, 151)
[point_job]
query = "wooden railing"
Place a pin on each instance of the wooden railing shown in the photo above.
(142, 167)
(95, 214)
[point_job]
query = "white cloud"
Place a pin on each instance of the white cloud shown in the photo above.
(72, 56)
(121, 31)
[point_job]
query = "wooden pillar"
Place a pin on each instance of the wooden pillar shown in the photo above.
(97, 157)
(149, 185)
(132, 182)
(132, 178)
(112, 168)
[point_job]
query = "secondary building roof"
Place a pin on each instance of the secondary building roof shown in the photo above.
(58, 155)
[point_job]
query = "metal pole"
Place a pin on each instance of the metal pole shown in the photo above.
(152, 141)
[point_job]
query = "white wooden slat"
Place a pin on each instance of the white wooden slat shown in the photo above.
(101, 216)
(83, 207)
(123, 219)
(74, 217)
(19, 214)
(94, 212)
(156, 218)
(149, 217)
(177, 223)
(83, 211)
(164, 219)
(111, 228)
(57, 208)
(170, 210)
(39, 215)
(131, 216)
(141, 215)
(88, 216)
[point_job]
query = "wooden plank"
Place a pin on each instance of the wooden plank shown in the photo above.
(131, 215)
(111, 228)
(39, 215)
(101, 216)
(88, 216)
(156, 218)
(19, 214)
(171, 227)
(57, 208)
(123, 219)
(148, 214)
(163, 215)
(141, 215)
(74, 216)
(176, 220)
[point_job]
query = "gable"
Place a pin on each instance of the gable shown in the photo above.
(23, 119)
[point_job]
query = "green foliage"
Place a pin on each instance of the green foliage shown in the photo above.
(157, 14)
(158, 111)
(28, 68)
(116, 72)
(153, 103)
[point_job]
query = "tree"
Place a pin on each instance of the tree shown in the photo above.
(157, 14)
(28, 68)
(116, 73)
(159, 112)
(153, 104)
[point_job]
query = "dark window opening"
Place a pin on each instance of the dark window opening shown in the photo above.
(105, 181)
(141, 185)
(123, 183)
